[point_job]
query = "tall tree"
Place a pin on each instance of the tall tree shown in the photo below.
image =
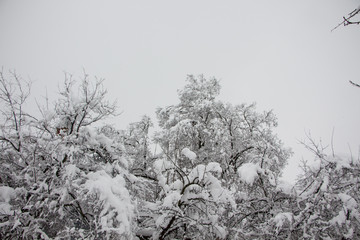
(201, 132)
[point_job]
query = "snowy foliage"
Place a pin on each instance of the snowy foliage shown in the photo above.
(217, 175)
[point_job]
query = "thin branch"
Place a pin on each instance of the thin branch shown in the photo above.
(347, 21)
(354, 84)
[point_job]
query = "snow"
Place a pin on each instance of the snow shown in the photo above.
(171, 199)
(189, 154)
(160, 221)
(214, 167)
(325, 184)
(161, 165)
(349, 234)
(145, 232)
(215, 188)
(70, 171)
(220, 232)
(177, 185)
(340, 218)
(271, 178)
(312, 218)
(341, 161)
(280, 218)
(6, 193)
(285, 187)
(349, 202)
(198, 172)
(115, 198)
(315, 165)
(5, 209)
(249, 172)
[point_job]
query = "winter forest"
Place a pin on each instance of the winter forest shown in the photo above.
(211, 170)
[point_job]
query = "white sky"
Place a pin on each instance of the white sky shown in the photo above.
(280, 54)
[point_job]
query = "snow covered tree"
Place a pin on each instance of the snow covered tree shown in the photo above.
(64, 178)
(201, 130)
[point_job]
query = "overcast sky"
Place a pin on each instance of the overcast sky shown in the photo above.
(280, 54)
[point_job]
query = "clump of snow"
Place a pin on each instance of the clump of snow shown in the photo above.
(341, 162)
(312, 218)
(280, 218)
(324, 185)
(271, 178)
(220, 232)
(6, 193)
(115, 201)
(315, 165)
(285, 187)
(349, 234)
(215, 188)
(214, 167)
(189, 154)
(5, 208)
(198, 172)
(161, 165)
(349, 202)
(249, 172)
(160, 221)
(177, 185)
(171, 199)
(70, 171)
(340, 218)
